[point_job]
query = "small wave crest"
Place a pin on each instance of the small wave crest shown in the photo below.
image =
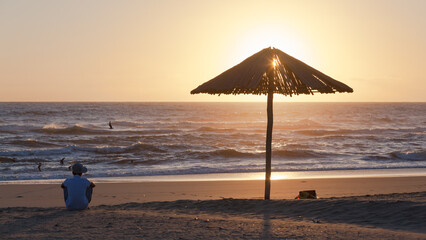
(419, 155)
(135, 148)
(148, 162)
(41, 152)
(300, 124)
(321, 132)
(123, 123)
(7, 160)
(54, 128)
(298, 154)
(232, 153)
(222, 153)
(211, 129)
(32, 143)
(385, 119)
(130, 149)
(410, 155)
(374, 131)
(13, 128)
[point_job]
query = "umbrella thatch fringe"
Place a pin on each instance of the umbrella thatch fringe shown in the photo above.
(291, 77)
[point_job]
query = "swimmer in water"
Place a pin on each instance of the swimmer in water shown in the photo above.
(62, 161)
(39, 167)
(110, 125)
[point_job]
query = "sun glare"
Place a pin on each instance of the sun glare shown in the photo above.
(274, 62)
(274, 176)
(278, 177)
(256, 39)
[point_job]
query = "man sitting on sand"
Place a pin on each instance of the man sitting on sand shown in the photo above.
(77, 190)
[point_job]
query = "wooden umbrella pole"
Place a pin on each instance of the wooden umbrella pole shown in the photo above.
(269, 135)
(268, 146)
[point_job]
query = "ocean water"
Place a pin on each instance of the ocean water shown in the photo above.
(150, 139)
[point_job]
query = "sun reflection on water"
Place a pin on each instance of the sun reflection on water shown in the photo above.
(274, 176)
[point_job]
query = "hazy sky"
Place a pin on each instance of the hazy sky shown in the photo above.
(160, 50)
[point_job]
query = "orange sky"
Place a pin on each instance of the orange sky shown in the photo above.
(160, 50)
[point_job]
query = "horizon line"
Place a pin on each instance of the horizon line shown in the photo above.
(211, 101)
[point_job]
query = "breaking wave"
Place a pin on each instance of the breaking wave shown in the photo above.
(410, 155)
(299, 154)
(399, 156)
(76, 129)
(224, 153)
(232, 153)
(130, 149)
(134, 148)
(341, 132)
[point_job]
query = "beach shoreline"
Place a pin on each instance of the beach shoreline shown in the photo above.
(349, 208)
(116, 192)
(276, 175)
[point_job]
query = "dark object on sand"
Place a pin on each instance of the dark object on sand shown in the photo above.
(39, 167)
(62, 161)
(267, 72)
(307, 194)
(110, 125)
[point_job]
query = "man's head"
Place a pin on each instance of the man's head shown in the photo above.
(78, 169)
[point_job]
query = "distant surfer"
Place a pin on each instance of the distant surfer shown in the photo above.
(110, 125)
(62, 161)
(39, 167)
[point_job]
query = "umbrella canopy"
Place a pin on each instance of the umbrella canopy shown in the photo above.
(267, 72)
(291, 77)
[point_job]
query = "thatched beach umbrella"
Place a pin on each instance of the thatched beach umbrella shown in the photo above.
(267, 72)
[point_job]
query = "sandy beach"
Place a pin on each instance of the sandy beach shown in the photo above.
(202, 120)
(347, 208)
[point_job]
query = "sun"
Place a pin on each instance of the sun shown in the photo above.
(260, 37)
(274, 62)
